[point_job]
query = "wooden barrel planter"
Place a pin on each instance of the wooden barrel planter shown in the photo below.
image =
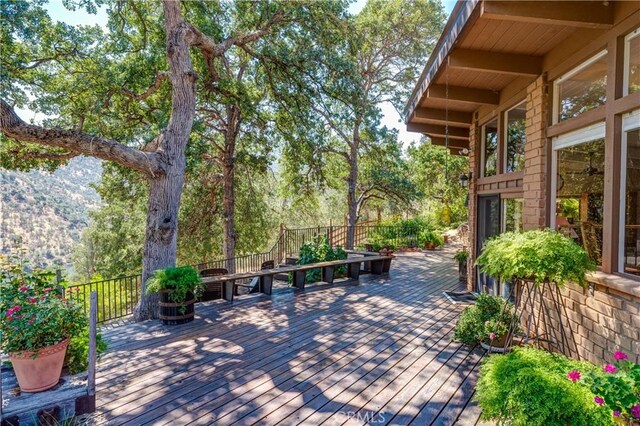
(172, 313)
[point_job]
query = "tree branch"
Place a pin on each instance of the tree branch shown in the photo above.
(160, 77)
(95, 146)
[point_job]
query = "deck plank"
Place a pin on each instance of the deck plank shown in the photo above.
(333, 354)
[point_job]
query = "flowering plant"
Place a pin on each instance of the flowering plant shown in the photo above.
(33, 311)
(616, 386)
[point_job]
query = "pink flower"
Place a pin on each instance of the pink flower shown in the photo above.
(47, 290)
(9, 312)
(610, 368)
(573, 375)
(598, 400)
(492, 336)
(616, 414)
(17, 308)
(32, 300)
(24, 289)
(635, 410)
(619, 356)
(32, 320)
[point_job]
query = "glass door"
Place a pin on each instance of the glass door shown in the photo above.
(489, 215)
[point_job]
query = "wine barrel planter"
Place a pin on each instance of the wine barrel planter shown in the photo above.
(171, 313)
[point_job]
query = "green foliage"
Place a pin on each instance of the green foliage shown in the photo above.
(319, 250)
(428, 236)
(77, 358)
(461, 256)
(179, 281)
(436, 173)
(33, 312)
(618, 385)
(489, 314)
(397, 233)
(529, 386)
(539, 255)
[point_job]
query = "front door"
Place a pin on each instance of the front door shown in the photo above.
(488, 226)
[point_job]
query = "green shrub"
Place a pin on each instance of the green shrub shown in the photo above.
(529, 386)
(430, 236)
(319, 250)
(77, 356)
(540, 255)
(461, 256)
(397, 233)
(490, 314)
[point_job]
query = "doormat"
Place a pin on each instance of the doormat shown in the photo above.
(461, 297)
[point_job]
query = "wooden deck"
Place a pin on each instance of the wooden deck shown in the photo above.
(377, 352)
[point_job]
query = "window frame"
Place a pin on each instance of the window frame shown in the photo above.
(505, 132)
(556, 92)
(630, 122)
(627, 59)
(567, 140)
(483, 145)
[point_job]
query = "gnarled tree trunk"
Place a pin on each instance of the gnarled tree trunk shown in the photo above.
(160, 245)
(352, 200)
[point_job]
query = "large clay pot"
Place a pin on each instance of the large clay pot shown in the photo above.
(42, 372)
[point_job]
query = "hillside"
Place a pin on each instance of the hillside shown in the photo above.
(47, 211)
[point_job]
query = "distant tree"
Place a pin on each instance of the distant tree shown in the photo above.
(110, 94)
(378, 60)
(436, 174)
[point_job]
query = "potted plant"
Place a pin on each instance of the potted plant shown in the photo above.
(461, 257)
(36, 324)
(430, 239)
(178, 288)
(539, 256)
(491, 321)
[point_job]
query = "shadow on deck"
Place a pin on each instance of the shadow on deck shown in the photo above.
(378, 352)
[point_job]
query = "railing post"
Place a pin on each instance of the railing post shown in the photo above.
(93, 318)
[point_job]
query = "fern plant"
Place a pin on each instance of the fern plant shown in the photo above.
(539, 255)
(178, 281)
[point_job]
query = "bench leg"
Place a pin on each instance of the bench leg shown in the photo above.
(328, 273)
(377, 267)
(386, 265)
(366, 266)
(227, 291)
(299, 279)
(266, 283)
(354, 270)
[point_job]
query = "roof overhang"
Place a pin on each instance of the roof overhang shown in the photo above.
(484, 47)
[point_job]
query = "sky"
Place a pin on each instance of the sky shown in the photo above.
(390, 116)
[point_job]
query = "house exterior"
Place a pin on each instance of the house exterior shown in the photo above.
(544, 98)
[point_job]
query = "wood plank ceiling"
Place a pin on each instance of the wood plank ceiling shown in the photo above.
(501, 41)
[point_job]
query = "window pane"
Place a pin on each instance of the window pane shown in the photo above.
(516, 138)
(580, 187)
(513, 214)
(632, 205)
(583, 91)
(490, 131)
(634, 65)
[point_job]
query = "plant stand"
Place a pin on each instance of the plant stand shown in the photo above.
(543, 317)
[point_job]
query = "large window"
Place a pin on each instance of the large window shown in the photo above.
(516, 136)
(632, 62)
(490, 148)
(581, 89)
(630, 214)
(579, 187)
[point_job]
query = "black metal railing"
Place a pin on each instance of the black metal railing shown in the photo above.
(117, 297)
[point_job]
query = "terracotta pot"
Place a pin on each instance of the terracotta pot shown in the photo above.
(429, 246)
(43, 371)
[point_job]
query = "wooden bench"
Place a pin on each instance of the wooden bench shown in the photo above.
(367, 264)
(379, 265)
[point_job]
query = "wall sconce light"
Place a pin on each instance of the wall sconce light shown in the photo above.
(465, 179)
